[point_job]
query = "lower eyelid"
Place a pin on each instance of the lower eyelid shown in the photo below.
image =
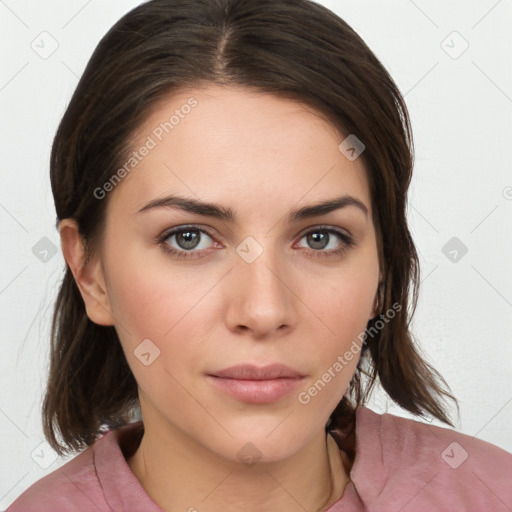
(345, 239)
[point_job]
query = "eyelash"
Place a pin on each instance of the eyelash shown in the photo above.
(347, 242)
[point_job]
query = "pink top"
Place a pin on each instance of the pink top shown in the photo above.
(400, 465)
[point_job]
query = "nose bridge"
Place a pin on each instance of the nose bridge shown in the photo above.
(262, 300)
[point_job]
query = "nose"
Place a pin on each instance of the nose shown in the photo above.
(262, 296)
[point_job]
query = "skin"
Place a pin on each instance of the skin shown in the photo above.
(261, 156)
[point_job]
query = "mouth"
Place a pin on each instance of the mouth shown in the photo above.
(257, 385)
(252, 372)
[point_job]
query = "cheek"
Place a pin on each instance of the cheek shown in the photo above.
(159, 324)
(152, 299)
(348, 305)
(344, 309)
(174, 309)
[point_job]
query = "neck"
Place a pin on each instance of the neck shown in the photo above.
(180, 474)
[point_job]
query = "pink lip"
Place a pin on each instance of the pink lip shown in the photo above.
(256, 391)
(257, 385)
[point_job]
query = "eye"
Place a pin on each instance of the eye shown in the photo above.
(325, 238)
(189, 241)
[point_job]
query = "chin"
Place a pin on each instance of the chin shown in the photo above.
(264, 445)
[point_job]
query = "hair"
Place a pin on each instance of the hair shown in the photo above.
(297, 50)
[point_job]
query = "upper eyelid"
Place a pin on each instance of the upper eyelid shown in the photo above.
(172, 231)
(209, 231)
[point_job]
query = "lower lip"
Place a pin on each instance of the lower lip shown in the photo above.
(256, 391)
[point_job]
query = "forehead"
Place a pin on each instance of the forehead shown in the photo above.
(230, 144)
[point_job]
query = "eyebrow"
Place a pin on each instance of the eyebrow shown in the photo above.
(227, 214)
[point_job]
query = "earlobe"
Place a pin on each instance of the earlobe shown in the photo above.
(90, 279)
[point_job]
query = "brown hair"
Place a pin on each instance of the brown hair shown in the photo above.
(295, 49)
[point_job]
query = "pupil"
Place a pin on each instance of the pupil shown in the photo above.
(190, 239)
(318, 240)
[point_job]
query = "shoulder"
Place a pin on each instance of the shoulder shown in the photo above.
(72, 487)
(412, 464)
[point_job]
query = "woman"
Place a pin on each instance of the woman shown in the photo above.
(230, 180)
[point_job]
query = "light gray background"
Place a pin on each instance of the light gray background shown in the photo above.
(461, 110)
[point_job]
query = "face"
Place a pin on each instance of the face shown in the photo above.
(259, 286)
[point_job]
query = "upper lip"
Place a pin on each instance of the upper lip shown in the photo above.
(251, 372)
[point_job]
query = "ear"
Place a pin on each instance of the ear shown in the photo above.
(90, 280)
